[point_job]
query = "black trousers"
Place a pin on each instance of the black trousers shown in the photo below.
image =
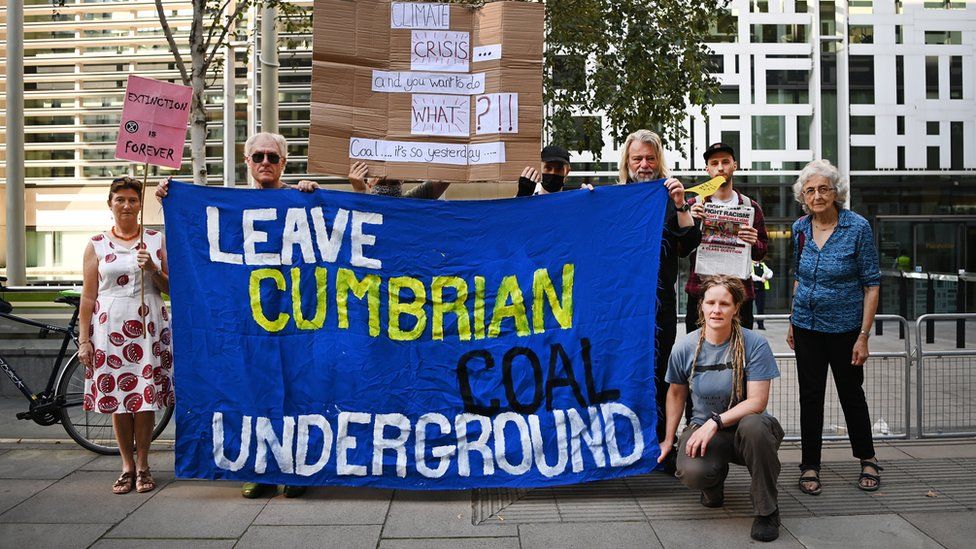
(691, 313)
(760, 293)
(667, 328)
(814, 352)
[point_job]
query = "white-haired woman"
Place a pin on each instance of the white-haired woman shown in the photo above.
(642, 159)
(835, 297)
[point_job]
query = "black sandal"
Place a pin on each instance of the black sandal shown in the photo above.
(868, 476)
(815, 491)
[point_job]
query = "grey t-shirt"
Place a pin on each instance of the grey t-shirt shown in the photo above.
(712, 386)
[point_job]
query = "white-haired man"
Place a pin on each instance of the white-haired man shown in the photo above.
(265, 154)
(641, 160)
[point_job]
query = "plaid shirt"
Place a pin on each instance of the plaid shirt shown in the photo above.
(759, 249)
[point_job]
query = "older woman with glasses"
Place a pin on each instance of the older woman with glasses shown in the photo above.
(835, 296)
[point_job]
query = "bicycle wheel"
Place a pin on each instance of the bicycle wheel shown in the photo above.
(92, 430)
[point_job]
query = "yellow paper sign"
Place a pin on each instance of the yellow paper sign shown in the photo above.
(707, 188)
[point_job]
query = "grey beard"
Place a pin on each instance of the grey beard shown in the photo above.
(633, 176)
(388, 189)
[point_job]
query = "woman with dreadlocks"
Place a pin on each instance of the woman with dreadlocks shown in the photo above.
(727, 369)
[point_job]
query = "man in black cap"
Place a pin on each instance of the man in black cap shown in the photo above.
(720, 161)
(555, 168)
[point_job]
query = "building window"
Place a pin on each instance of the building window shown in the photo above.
(862, 79)
(931, 77)
(862, 125)
(769, 133)
(955, 77)
(725, 28)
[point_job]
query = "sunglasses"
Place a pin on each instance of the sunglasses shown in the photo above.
(258, 157)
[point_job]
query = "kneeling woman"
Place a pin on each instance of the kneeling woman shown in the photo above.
(728, 370)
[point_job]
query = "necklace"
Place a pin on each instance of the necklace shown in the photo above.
(824, 227)
(126, 236)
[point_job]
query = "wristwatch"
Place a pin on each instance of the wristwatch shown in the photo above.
(717, 418)
(684, 207)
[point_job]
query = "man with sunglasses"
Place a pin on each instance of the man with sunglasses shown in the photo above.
(265, 154)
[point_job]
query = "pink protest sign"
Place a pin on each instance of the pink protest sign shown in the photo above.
(154, 119)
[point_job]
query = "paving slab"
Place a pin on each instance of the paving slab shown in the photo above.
(333, 537)
(729, 532)
(42, 464)
(73, 501)
(866, 531)
(63, 536)
(159, 460)
(451, 543)
(328, 506)
(588, 535)
(164, 543)
(191, 509)
(438, 515)
(14, 491)
(941, 449)
(953, 530)
(610, 500)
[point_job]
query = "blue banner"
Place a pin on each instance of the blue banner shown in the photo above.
(333, 338)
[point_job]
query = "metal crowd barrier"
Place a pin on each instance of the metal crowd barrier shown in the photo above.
(887, 386)
(945, 384)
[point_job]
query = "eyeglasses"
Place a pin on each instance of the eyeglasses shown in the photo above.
(823, 190)
(258, 157)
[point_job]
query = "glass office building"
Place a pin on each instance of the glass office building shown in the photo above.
(885, 89)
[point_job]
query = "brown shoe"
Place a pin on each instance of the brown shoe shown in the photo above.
(145, 482)
(124, 484)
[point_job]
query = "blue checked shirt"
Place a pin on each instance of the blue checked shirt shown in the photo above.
(830, 292)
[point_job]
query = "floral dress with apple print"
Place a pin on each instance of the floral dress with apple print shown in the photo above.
(131, 367)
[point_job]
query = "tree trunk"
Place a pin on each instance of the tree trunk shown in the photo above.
(198, 112)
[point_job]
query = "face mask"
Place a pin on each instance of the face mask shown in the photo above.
(387, 189)
(553, 182)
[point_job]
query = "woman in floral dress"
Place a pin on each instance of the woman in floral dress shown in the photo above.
(126, 350)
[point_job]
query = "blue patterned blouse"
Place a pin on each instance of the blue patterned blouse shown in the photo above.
(830, 292)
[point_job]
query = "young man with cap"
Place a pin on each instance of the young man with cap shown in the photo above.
(720, 161)
(555, 168)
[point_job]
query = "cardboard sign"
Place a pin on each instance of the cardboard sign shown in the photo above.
(444, 51)
(396, 78)
(497, 113)
(440, 115)
(154, 120)
(413, 15)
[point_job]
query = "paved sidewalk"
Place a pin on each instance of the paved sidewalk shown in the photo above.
(55, 494)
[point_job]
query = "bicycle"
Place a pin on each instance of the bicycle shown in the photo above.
(61, 400)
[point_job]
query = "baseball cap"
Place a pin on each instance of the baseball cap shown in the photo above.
(717, 148)
(555, 153)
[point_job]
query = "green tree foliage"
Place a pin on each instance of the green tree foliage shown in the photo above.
(639, 62)
(215, 23)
